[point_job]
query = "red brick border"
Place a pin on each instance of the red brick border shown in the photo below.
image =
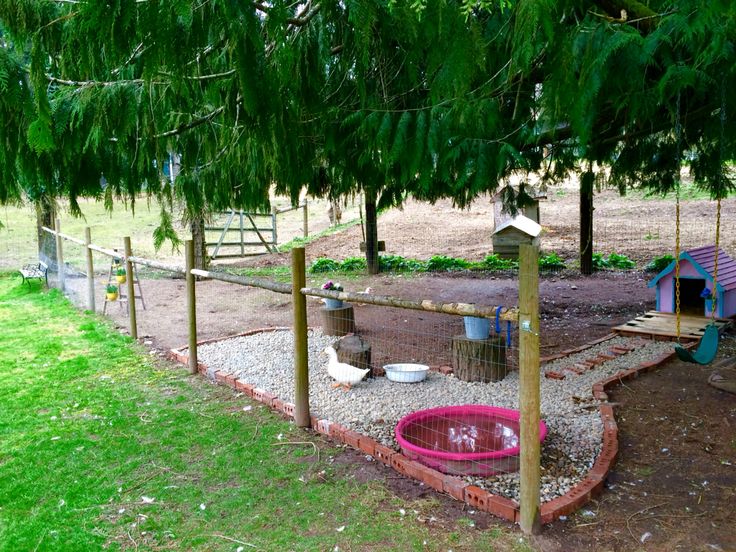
(456, 487)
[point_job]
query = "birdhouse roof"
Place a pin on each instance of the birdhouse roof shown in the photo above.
(521, 223)
(704, 261)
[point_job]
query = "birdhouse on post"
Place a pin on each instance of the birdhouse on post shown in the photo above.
(508, 236)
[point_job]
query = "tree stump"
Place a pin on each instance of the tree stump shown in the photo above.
(354, 350)
(339, 321)
(479, 359)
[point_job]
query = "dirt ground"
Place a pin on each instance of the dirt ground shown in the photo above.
(674, 485)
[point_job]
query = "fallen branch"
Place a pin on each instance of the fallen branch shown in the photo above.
(234, 540)
(316, 450)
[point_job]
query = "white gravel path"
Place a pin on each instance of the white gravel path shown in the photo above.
(373, 407)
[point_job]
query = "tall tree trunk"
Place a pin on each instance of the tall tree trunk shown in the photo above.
(45, 214)
(371, 233)
(586, 222)
(201, 260)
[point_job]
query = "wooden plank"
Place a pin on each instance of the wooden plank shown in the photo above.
(236, 244)
(381, 246)
(662, 324)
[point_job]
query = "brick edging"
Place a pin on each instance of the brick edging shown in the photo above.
(457, 488)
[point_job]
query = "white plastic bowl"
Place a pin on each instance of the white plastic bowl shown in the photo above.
(406, 372)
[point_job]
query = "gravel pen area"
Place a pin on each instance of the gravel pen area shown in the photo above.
(373, 407)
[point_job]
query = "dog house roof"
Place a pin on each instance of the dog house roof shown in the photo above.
(704, 261)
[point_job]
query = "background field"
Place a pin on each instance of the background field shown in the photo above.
(635, 225)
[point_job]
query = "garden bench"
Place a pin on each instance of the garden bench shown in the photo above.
(37, 271)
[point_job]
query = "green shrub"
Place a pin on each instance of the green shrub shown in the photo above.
(443, 262)
(353, 264)
(614, 260)
(658, 264)
(620, 261)
(599, 263)
(397, 263)
(551, 262)
(323, 264)
(494, 262)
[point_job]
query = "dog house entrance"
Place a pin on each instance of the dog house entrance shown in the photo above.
(690, 300)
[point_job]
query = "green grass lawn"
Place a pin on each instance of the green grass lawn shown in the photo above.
(104, 446)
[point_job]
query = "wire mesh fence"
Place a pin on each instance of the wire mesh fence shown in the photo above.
(442, 388)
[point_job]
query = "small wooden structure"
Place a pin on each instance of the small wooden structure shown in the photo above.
(530, 211)
(354, 350)
(661, 326)
(339, 321)
(479, 359)
(696, 274)
(508, 236)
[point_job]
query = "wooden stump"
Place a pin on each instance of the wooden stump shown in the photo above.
(340, 321)
(479, 359)
(354, 350)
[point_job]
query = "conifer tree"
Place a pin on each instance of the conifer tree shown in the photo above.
(428, 99)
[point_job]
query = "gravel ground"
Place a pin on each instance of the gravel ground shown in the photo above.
(373, 407)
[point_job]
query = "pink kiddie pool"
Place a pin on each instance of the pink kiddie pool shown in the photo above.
(471, 439)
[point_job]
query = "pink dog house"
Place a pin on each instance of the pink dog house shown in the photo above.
(696, 273)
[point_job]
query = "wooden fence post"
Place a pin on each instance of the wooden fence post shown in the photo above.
(301, 359)
(90, 270)
(529, 392)
(131, 288)
(305, 223)
(60, 257)
(274, 235)
(191, 307)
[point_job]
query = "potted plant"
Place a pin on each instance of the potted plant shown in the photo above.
(707, 294)
(477, 327)
(332, 286)
(111, 292)
(120, 275)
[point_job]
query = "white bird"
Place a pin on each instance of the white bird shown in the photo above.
(344, 374)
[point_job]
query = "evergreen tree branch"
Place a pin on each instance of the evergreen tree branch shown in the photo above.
(87, 84)
(190, 125)
(213, 76)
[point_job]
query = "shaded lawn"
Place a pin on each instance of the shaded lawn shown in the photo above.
(104, 446)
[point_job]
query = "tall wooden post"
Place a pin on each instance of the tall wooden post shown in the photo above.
(305, 223)
(586, 222)
(274, 234)
(60, 257)
(90, 270)
(529, 388)
(191, 307)
(371, 233)
(131, 288)
(301, 358)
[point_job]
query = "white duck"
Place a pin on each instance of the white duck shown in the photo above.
(344, 374)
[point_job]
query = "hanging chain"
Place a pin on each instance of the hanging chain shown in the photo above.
(715, 263)
(678, 134)
(714, 308)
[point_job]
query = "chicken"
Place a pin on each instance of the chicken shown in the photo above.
(344, 374)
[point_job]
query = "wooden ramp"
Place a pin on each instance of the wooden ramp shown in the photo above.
(662, 326)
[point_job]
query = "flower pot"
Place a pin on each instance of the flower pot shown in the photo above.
(476, 327)
(111, 296)
(120, 278)
(333, 303)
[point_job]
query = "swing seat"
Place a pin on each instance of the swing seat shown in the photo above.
(707, 348)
